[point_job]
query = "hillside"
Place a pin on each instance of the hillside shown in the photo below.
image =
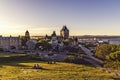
(21, 69)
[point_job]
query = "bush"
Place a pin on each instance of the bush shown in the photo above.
(103, 50)
(113, 65)
(70, 59)
(78, 60)
(74, 59)
(113, 56)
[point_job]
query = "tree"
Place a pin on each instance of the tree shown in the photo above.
(103, 50)
(115, 56)
(23, 41)
(31, 44)
(113, 60)
(43, 44)
(110, 54)
(67, 42)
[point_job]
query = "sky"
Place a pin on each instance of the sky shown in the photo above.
(41, 17)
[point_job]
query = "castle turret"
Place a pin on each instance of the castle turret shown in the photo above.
(64, 32)
(27, 35)
(54, 36)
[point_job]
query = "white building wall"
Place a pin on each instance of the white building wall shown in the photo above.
(6, 42)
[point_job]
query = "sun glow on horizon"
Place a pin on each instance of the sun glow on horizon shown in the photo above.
(41, 17)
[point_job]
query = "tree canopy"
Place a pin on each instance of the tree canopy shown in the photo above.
(115, 56)
(43, 44)
(105, 49)
(110, 54)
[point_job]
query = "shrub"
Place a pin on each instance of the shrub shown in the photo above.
(113, 56)
(70, 59)
(113, 64)
(103, 50)
(74, 59)
(78, 60)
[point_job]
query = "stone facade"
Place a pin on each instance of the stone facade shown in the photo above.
(8, 42)
(64, 34)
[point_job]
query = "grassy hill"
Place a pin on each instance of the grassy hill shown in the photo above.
(21, 69)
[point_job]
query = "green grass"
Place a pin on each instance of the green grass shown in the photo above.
(22, 70)
(10, 55)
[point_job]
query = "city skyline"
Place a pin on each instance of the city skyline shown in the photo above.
(41, 17)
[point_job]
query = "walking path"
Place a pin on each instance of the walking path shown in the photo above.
(90, 58)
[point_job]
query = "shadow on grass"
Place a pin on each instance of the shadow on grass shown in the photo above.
(80, 62)
(16, 64)
(16, 60)
(116, 78)
(86, 63)
(0, 66)
(39, 68)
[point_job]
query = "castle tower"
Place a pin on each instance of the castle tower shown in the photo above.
(54, 36)
(64, 32)
(27, 35)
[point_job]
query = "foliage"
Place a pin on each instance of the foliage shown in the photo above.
(112, 64)
(24, 39)
(103, 50)
(11, 54)
(110, 54)
(43, 45)
(70, 59)
(115, 56)
(113, 60)
(31, 44)
(21, 69)
(41, 41)
(67, 42)
(77, 59)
